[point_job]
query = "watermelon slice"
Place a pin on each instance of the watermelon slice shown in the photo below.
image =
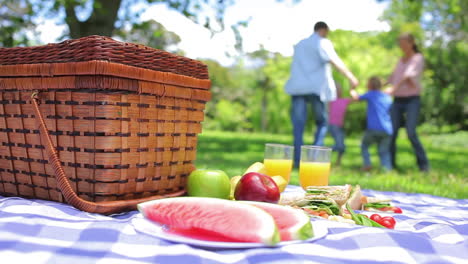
(213, 219)
(293, 223)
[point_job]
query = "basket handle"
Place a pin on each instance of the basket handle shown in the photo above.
(64, 186)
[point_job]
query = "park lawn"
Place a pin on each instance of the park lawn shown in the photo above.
(233, 152)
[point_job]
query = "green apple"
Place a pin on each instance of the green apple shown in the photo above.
(209, 183)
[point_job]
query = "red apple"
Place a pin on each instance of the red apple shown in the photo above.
(258, 187)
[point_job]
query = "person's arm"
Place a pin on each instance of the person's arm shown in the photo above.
(329, 54)
(414, 69)
(391, 90)
(390, 81)
(341, 67)
(354, 95)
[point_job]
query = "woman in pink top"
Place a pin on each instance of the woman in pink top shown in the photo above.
(406, 88)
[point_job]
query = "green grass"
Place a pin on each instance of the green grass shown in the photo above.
(234, 152)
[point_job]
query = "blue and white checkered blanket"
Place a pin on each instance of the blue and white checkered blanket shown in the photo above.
(430, 230)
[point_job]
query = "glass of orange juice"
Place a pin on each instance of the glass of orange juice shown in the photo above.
(278, 160)
(315, 166)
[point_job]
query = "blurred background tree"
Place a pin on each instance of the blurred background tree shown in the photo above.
(15, 21)
(152, 34)
(442, 28)
(100, 17)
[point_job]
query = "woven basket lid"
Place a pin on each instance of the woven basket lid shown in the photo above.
(101, 48)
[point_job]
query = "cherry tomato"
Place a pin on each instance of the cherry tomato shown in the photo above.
(387, 224)
(376, 217)
(389, 219)
(392, 209)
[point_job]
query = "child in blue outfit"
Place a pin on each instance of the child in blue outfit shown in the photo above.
(379, 124)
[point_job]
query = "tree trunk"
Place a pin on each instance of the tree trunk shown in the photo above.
(264, 110)
(8, 40)
(100, 22)
(265, 84)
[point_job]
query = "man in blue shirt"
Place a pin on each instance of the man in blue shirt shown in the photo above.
(379, 124)
(311, 81)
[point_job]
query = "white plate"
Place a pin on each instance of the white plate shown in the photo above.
(145, 226)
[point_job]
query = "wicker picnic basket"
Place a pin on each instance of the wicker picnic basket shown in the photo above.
(97, 123)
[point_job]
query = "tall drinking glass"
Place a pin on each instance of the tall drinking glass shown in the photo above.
(279, 160)
(315, 166)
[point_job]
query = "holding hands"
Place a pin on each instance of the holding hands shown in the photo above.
(390, 90)
(354, 83)
(354, 94)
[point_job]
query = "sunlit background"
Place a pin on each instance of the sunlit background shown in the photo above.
(275, 25)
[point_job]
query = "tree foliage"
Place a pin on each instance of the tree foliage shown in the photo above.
(442, 29)
(151, 33)
(15, 20)
(100, 17)
(104, 16)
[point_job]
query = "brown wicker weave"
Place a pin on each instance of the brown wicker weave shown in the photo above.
(97, 123)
